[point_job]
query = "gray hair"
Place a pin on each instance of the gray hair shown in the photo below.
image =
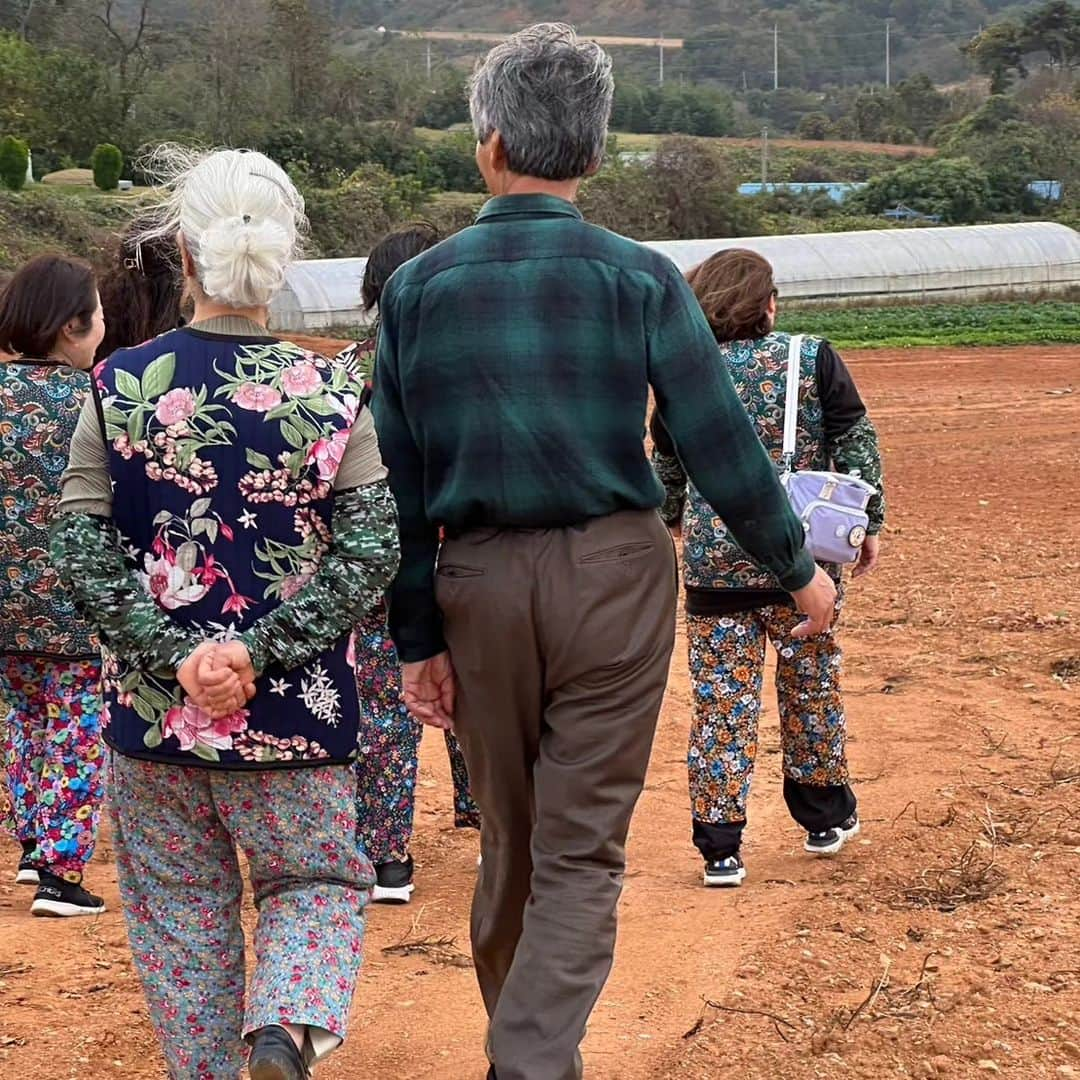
(549, 95)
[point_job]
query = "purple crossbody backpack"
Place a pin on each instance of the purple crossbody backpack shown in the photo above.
(830, 505)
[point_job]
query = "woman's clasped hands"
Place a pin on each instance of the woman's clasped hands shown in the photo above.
(218, 677)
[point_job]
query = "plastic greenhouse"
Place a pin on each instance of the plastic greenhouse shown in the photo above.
(903, 264)
(951, 263)
(320, 293)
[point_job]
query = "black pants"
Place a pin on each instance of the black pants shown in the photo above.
(816, 809)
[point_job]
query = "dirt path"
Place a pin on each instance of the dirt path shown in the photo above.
(945, 943)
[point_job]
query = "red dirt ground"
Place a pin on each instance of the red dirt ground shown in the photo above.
(944, 943)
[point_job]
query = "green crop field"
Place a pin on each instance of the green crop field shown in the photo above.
(1013, 323)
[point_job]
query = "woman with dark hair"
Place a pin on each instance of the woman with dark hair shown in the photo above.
(734, 605)
(387, 762)
(142, 293)
(50, 668)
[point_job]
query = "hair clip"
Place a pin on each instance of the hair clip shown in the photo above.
(135, 263)
(277, 183)
(247, 219)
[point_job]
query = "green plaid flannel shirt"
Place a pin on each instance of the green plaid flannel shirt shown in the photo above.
(511, 389)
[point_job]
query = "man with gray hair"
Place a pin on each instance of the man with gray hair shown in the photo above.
(511, 387)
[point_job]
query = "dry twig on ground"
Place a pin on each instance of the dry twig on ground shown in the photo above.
(439, 950)
(973, 877)
(778, 1022)
(944, 823)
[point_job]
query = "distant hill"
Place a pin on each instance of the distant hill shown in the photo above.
(728, 42)
(682, 17)
(822, 42)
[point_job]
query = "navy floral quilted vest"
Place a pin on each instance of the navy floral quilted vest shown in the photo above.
(40, 404)
(712, 558)
(223, 453)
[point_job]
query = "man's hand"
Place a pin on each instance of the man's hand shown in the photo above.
(213, 687)
(868, 557)
(429, 690)
(817, 601)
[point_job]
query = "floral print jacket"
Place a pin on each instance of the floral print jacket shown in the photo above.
(39, 405)
(225, 523)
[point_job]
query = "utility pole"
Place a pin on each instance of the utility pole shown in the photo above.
(776, 56)
(744, 87)
(661, 59)
(429, 61)
(888, 53)
(764, 157)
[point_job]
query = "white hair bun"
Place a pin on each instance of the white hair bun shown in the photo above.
(239, 216)
(242, 260)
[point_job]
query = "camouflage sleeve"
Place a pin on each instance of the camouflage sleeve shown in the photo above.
(89, 559)
(857, 451)
(671, 474)
(352, 577)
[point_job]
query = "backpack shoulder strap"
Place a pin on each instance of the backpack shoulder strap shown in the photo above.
(791, 403)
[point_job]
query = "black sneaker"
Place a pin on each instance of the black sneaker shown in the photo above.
(393, 882)
(274, 1056)
(831, 841)
(726, 873)
(60, 899)
(27, 874)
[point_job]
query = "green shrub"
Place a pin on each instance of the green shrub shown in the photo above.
(348, 220)
(14, 160)
(108, 163)
(814, 126)
(954, 188)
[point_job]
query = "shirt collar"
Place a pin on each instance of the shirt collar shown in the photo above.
(527, 206)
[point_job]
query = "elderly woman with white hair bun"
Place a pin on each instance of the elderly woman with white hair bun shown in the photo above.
(225, 521)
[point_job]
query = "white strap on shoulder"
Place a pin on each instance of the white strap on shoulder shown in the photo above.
(791, 404)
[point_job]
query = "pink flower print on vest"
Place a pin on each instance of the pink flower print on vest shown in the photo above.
(327, 454)
(175, 407)
(170, 584)
(194, 727)
(301, 380)
(256, 398)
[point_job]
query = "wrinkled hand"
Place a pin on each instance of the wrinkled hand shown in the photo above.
(817, 601)
(429, 687)
(218, 678)
(868, 557)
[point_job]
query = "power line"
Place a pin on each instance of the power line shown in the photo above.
(720, 37)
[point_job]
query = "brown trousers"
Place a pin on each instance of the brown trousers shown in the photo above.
(561, 640)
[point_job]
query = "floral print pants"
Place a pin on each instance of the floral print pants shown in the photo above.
(727, 665)
(52, 757)
(177, 831)
(389, 741)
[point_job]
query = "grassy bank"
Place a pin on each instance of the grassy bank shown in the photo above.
(76, 221)
(1011, 323)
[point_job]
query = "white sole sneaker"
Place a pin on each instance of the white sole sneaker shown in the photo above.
(400, 894)
(56, 909)
(844, 835)
(27, 877)
(726, 881)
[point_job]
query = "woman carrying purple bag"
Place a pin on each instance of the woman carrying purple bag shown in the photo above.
(734, 606)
